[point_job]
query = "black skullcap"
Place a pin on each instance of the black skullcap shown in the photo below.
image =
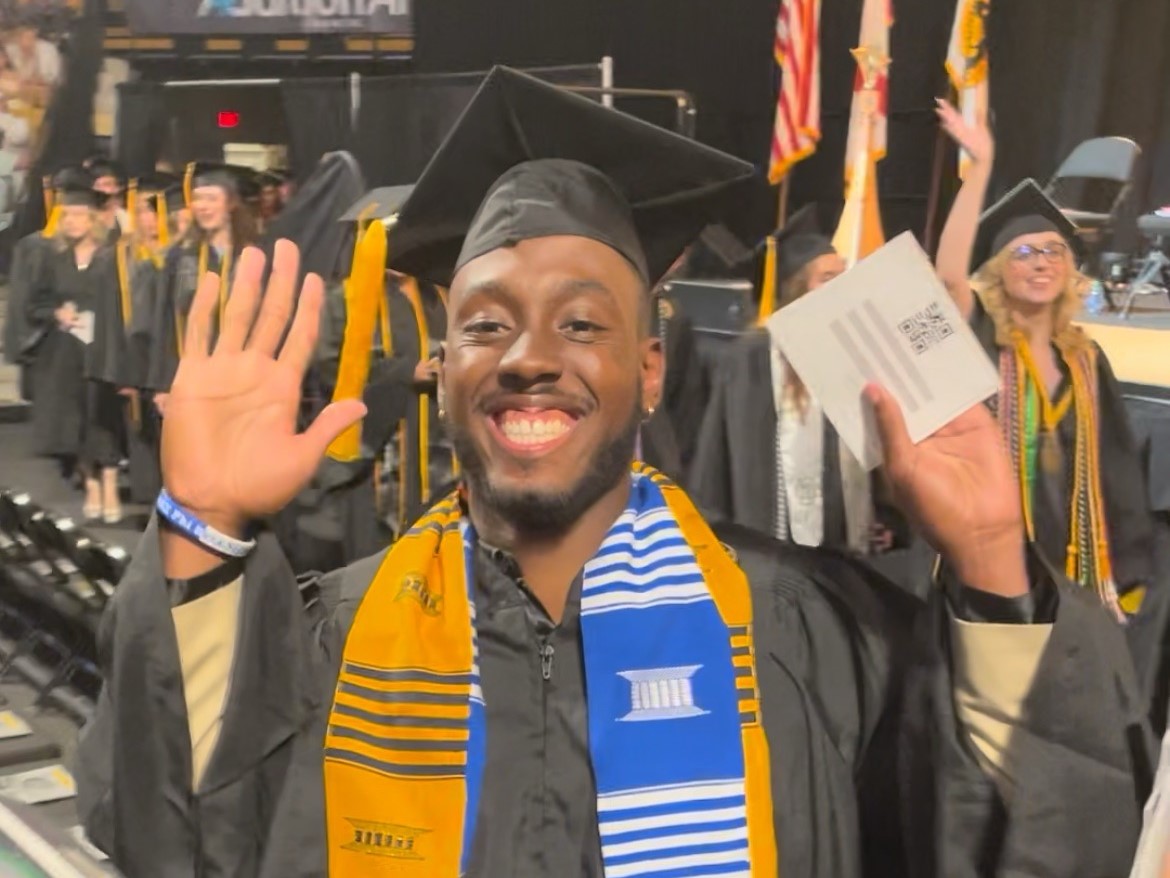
(380, 204)
(527, 160)
(799, 243)
(1026, 210)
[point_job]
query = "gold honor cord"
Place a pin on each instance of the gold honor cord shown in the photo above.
(1050, 415)
(224, 283)
(127, 315)
(768, 288)
(363, 290)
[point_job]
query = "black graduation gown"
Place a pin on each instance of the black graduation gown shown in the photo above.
(69, 419)
(733, 475)
(175, 291)
(871, 775)
(118, 359)
(1123, 481)
(390, 375)
(670, 436)
(30, 259)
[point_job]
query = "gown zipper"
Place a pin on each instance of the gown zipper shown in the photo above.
(546, 660)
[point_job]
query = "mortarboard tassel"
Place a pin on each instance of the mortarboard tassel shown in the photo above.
(768, 289)
(362, 292)
(188, 181)
(52, 209)
(164, 232)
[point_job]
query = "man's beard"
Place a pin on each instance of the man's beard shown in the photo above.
(534, 511)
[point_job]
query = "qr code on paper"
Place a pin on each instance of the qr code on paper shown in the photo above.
(926, 328)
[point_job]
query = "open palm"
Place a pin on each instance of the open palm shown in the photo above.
(975, 137)
(230, 447)
(957, 485)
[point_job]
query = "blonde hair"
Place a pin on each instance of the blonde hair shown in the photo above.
(990, 287)
(98, 235)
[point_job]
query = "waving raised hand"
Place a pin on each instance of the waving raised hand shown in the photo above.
(230, 447)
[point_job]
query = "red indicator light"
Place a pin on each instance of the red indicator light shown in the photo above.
(228, 118)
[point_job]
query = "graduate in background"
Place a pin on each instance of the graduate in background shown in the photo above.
(222, 226)
(403, 415)
(30, 259)
(563, 670)
(110, 182)
(124, 315)
(1060, 407)
(74, 421)
(767, 456)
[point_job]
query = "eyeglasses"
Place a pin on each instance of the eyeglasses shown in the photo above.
(1050, 252)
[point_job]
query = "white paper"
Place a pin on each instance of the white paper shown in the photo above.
(49, 784)
(889, 319)
(12, 726)
(83, 328)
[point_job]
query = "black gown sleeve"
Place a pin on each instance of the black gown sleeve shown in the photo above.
(164, 352)
(1123, 483)
(710, 479)
(685, 396)
(106, 355)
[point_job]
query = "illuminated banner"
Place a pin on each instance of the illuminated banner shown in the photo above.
(269, 16)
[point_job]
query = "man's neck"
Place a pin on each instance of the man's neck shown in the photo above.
(550, 563)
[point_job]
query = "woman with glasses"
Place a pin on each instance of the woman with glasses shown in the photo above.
(1059, 405)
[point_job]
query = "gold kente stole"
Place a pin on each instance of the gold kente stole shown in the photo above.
(682, 768)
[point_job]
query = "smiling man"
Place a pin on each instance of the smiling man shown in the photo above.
(562, 670)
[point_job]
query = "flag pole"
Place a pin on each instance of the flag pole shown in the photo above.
(932, 199)
(782, 214)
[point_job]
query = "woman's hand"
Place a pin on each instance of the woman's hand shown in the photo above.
(66, 316)
(975, 138)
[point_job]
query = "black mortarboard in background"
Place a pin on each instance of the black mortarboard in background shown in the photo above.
(527, 159)
(719, 252)
(159, 181)
(235, 179)
(103, 167)
(273, 177)
(382, 204)
(1025, 210)
(799, 243)
(74, 186)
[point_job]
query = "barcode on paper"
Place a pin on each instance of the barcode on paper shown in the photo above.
(926, 328)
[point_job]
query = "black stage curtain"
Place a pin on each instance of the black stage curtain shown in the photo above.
(317, 112)
(1062, 71)
(142, 126)
(403, 119)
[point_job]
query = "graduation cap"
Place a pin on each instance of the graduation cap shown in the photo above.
(104, 167)
(382, 204)
(527, 159)
(787, 251)
(1026, 210)
(233, 179)
(273, 177)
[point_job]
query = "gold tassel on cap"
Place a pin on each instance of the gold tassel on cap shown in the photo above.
(188, 182)
(52, 208)
(768, 290)
(363, 291)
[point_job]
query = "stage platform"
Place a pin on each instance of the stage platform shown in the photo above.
(1138, 347)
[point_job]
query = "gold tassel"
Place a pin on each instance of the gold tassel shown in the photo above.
(164, 232)
(363, 290)
(768, 289)
(188, 182)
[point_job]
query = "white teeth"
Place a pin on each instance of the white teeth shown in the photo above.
(533, 432)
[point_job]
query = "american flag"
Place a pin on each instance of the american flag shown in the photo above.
(798, 107)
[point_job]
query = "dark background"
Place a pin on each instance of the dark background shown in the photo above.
(1061, 71)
